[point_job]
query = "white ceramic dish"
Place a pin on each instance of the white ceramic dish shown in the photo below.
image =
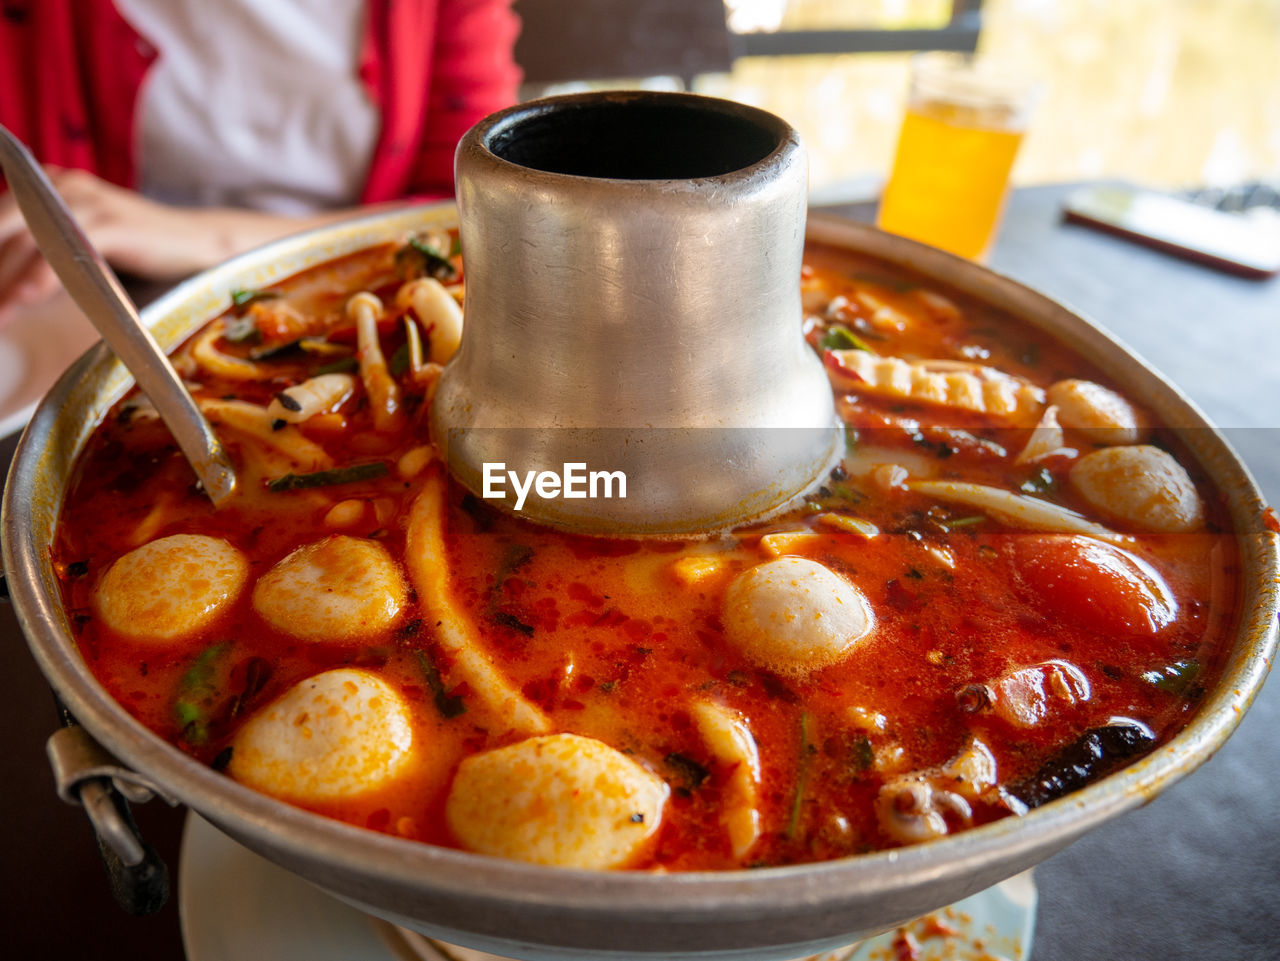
(238, 906)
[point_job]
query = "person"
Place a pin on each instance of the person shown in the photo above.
(181, 132)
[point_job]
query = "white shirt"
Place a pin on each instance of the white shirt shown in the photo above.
(253, 103)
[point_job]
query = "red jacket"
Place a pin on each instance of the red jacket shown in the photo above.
(71, 71)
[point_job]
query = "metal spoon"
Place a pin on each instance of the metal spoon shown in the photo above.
(97, 291)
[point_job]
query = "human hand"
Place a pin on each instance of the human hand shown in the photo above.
(145, 238)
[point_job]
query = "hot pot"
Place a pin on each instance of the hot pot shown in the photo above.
(525, 911)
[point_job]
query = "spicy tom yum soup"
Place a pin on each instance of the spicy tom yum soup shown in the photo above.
(1012, 584)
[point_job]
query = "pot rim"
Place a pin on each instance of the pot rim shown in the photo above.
(32, 499)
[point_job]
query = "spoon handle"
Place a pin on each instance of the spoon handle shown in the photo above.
(97, 291)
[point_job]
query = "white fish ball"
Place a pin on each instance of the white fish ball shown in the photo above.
(337, 589)
(336, 735)
(170, 588)
(1143, 485)
(563, 800)
(793, 615)
(1098, 412)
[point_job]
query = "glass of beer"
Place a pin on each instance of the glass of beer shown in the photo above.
(963, 126)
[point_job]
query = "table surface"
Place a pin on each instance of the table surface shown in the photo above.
(1193, 875)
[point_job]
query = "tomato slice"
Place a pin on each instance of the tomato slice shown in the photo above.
(1093, 584)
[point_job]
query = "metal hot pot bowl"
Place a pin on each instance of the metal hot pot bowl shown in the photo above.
(526, 911)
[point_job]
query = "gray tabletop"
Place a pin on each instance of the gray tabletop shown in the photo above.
(1196, 873)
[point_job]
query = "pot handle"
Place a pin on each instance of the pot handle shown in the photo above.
(85, 773)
